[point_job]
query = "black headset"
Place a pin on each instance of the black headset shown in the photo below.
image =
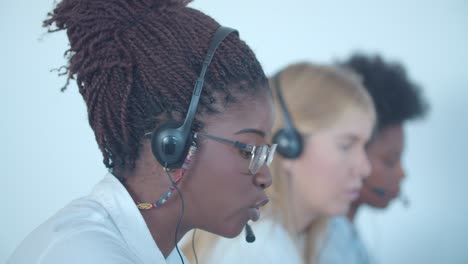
(171, 141)
(289, 140)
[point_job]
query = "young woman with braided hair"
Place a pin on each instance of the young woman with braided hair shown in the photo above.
(135, 63)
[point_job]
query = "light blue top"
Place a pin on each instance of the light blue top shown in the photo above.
(343, 244)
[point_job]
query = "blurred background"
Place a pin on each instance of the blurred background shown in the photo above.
(49, 155)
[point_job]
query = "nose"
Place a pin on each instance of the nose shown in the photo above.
(364, 165)
(263, 178)
(400, 172)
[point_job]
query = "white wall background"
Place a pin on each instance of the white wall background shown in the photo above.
(48, 155)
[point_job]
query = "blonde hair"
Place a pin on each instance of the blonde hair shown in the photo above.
(316, 97)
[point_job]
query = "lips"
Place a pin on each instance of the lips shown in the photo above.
(261, 203)
(353, 193)
(254, 211)
(254, 214)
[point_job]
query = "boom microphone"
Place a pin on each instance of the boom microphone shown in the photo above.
(249, 235)
(382, 192)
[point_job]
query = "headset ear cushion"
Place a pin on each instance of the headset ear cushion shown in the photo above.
(290, 143)
(170, 144)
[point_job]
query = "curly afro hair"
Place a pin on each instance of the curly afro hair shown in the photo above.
(396, 98)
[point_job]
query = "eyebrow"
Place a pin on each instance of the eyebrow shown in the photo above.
(351, 137)
(251, 130)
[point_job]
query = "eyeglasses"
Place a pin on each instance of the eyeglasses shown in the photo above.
(259, 155)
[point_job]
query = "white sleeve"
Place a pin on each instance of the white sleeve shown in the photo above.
(91, 247)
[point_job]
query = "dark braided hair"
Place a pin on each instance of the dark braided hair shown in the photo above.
(396, 97)
(136, 62)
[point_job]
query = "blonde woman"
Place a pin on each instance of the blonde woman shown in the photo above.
(334, 117)
(398, 100)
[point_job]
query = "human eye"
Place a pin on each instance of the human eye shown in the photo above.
(390, 162)
(346, 146)
(246, 154)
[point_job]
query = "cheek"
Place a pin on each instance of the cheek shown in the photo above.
(320, 179)
(331, 169)
(220, 178)
(380, 175)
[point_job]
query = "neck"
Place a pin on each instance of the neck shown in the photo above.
(162, 223)
(353, 210)
(302, 216)
(147, 182)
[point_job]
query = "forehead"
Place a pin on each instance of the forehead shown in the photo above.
(390, 138)
(255, 113)
(354, 122)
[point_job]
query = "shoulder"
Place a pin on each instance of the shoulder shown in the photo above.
(93, 245)
(82, 232)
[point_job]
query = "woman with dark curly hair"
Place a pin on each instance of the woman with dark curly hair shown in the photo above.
(397, 99)
(179, 157)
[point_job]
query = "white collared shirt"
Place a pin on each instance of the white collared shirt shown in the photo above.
(104, 227)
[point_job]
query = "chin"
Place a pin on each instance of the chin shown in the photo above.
(230, 230)
(232, 233)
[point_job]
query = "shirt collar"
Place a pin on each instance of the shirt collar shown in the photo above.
(113, 196)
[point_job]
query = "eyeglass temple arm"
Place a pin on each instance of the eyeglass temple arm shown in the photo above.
(235, 143)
